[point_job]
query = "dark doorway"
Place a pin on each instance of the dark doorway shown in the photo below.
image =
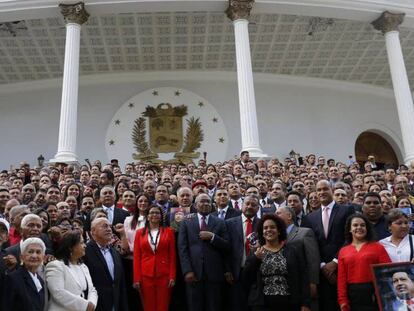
(369, 143)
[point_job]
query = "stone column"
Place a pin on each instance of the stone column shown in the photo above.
(388, 24)
(239, 12)
(75, 15)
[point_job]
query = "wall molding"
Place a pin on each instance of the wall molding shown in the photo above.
(171, 76)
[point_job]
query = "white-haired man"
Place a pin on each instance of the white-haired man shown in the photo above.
(105, 267)
(31, 227)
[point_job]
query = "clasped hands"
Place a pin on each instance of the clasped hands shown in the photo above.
(329, 272)
(137, 285)
(206, 235)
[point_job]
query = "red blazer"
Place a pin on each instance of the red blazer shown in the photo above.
(158, 264)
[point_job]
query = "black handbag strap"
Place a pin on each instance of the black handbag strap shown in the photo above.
(410, 237)
(86, 291)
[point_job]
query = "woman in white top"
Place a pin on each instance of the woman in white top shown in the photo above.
(137, 220)
(399, 245)
(68, 280)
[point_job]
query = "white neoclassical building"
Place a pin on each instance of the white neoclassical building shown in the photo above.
(268, 76)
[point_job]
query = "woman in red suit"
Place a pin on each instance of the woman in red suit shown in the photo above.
(355, 286)
(154, 262)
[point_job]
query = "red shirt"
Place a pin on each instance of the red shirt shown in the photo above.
(355, 266)
(14, 236)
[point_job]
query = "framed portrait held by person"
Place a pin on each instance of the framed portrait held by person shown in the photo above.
(394, 286)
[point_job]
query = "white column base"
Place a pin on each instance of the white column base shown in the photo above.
(64, 157)
(255, 153)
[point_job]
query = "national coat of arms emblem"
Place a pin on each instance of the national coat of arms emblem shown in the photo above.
(165, 124)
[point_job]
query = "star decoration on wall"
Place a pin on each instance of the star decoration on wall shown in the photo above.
(221, 140)
(177, 93)
(131, 105)
(155, 93)
(201, 104)
(111, 142)
(215, 120)
(117, 122)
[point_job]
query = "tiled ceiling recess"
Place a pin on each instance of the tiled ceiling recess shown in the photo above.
(281, 44)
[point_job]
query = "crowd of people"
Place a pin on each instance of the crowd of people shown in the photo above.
(263, 234)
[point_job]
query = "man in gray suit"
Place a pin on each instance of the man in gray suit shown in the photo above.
(306, 239)
(202, 246)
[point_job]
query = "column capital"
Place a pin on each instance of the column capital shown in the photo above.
(239, 9)
(74, 13)
(388, 22)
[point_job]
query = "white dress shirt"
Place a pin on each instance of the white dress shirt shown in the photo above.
(106, 253)
(398, 253)
(36, 281)
(205, 219)
(239, 202)
(330, 205)
(244, 222)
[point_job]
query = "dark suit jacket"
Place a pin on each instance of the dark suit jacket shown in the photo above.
(297, 277)
(305, 238)
(3, 270)
(21, 294)
(329, 247)
(119, 216)
(204, 258)
(236, 240)
(231, 212)
(110, 292)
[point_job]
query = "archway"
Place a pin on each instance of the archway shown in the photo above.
(369, 143)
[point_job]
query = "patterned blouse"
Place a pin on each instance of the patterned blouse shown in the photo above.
(274, 274)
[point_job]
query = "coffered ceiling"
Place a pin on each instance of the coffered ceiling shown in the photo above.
(280, 44)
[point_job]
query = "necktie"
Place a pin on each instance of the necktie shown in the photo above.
(410, 304)
(249, 230)
(263, 202)
(203, 226)
(325, 220)
(109, 213)
(221, 214)
(236, 205)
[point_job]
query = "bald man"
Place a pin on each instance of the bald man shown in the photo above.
(328, 224)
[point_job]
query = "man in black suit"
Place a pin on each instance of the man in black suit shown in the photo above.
(240, 229)
(162, 198)
(31, 227)
(105, 267)
(235, 195)
(278, 195)
(202, 246)
(373, 211)
(115, 215)
(294, 200)
(328, 224)
(224, 211)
